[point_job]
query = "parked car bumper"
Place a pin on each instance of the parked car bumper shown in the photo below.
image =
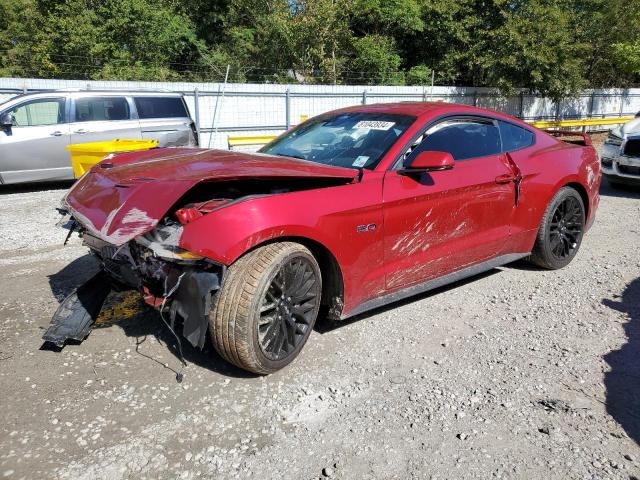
(620, 165)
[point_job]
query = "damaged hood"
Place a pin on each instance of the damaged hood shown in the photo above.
(127, 195)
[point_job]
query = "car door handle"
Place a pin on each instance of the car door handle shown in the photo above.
(81, 131)
(57, 133)
(506, 178)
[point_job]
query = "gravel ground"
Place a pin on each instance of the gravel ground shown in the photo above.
(517, 373)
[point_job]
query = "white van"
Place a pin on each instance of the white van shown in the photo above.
(35, 128)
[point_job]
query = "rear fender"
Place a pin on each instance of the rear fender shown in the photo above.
(546, 172)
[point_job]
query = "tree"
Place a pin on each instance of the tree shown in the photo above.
(628, 57)
(376, 61)
(534, 47)
(552, 47)
(419, 75)
(23, 52)
(113, 39)
(506, 44)
(388, 17)
(610, 28)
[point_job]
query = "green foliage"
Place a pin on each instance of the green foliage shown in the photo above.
(419, 75)
(553, 47)
(603, 24)
(533, 47)
(628, 56)
(376, 60)
(391, 17)
(136, 39)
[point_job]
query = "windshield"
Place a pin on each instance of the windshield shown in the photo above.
(356, 139)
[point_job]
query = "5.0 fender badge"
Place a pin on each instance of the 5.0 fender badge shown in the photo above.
(366, 228)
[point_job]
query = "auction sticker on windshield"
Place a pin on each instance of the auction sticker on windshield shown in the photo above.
(360, 161)
(374, 125)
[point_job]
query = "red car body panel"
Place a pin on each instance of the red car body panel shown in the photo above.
(318, 215)
(128, 195)
(386, 231)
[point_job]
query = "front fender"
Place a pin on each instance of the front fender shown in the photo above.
(329, 217)
(226, 234)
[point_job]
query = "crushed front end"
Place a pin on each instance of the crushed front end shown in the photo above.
(134, 210)
(174, 281)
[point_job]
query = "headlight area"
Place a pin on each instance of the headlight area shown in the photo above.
(175, 281)
(613, 139)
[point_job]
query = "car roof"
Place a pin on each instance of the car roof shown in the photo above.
(91, 92)
(75, 93)
(430, 109)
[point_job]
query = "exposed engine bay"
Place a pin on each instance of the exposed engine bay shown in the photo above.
(199, 201)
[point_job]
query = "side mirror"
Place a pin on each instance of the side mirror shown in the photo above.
(429, 162)
(6, 120)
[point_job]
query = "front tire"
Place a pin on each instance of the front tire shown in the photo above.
(267, 306)
(561, 231)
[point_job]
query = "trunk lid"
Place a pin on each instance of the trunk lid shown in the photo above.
(127, 195)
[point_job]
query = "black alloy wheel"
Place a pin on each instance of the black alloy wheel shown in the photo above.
(267, 306)
(288, 309)
(566, 228)
(561, 230)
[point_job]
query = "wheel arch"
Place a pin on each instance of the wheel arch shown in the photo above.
(582, 191)
(332, 276)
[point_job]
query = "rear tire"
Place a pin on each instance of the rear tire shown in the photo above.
(561, 230)
(267, 306)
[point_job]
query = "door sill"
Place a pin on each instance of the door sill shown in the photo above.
(435, 283)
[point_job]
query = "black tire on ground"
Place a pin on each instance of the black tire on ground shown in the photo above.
(561, 230)
(266, 308)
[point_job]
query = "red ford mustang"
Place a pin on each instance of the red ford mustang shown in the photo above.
(349, 211)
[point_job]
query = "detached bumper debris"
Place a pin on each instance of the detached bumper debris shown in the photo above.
(192, 303)
(78, 312)
(151, 265)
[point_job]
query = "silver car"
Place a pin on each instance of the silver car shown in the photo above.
(621, 154)
(36, 128)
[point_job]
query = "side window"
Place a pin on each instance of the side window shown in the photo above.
(462, 138)
(160, 107)
(514, 137)
(49, 111)
(101, 108)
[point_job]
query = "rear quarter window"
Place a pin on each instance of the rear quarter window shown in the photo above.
(514, 137)
(160, 107)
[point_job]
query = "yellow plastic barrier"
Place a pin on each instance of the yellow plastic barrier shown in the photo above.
(587, 122)
(86, 155)
(242, 141)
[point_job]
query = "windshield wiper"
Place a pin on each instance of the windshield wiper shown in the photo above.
(291, 156)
